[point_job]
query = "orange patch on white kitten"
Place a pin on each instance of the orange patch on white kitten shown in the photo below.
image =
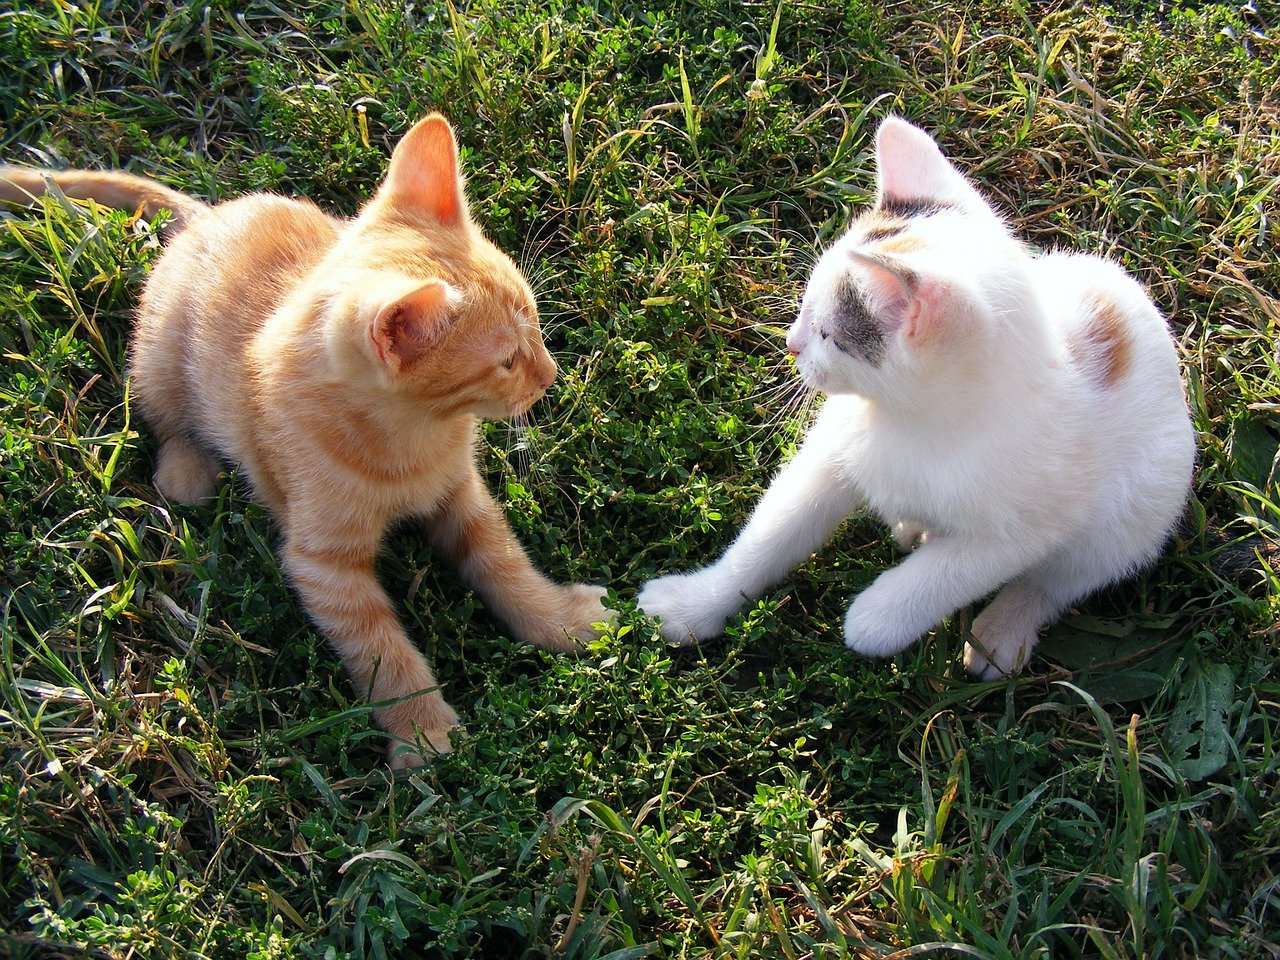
(343, 365)
(902, 243)
(1101, 345)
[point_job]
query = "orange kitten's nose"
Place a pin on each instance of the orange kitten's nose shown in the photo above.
(547, 372)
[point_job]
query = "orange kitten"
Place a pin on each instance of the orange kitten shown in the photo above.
(343, 365)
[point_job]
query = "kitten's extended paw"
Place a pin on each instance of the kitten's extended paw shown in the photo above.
(687, 605)
(977, 664)
(874, 625)
(579, 608)
(418, 730)
(585, 609)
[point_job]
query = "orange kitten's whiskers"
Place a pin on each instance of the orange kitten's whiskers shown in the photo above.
(553, 321)
(541, 278)
(522, 451)
(534, 245)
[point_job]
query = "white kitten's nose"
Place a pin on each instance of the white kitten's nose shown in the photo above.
(795, 337)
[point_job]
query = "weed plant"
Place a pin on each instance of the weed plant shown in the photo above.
(185, 772)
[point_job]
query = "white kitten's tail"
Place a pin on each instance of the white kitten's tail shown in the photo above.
(124, 191)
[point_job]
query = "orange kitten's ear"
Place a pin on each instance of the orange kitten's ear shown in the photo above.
(405, 329)
(424, 172)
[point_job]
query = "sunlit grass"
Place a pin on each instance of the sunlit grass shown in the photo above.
(186, 771)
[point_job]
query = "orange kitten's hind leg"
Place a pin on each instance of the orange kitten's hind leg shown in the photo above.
(472, 530)
(333, 572)
(184, 472)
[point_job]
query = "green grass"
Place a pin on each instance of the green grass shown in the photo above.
(185, 772)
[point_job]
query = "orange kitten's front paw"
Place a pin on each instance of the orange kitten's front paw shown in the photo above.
(419, 729)
(585, 609)
(580, 607)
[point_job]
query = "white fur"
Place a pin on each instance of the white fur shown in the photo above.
(981, 433)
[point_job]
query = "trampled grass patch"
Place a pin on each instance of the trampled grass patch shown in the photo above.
(186, 772)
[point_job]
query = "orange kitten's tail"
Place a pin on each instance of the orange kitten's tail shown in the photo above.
(124, 191)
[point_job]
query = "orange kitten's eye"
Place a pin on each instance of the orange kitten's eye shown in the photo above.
(510, 362)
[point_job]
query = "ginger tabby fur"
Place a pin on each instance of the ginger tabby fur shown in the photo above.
(343, 365)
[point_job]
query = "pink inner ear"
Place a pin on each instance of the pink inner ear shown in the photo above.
(893, 288)
(913, 322)
(930, 311)
(404, 330)
(424, 172)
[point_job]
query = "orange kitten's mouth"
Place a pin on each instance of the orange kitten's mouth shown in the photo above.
(523, 406)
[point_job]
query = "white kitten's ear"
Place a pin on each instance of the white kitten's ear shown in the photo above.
(424, 172)
(911, 169)
(893, 288)
(408, 327)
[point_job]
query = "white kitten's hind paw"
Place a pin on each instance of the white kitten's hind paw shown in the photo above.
(994, 664)
(908, 535)
(976, 664)
(1005, 633)
(687, 606)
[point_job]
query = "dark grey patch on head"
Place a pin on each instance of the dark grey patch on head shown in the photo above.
(855, 329)
(915, 207)
(883, 231)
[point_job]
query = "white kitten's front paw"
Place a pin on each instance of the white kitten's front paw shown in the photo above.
(687, 605)
(874, 626)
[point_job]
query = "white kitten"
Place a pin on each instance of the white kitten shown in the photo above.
(1021, 418)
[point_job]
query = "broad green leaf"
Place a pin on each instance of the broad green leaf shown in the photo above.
(1196, 735)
